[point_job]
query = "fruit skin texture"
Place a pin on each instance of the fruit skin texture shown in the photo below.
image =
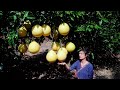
(51, 56)
(37, 31)
(61, 55)
(55, 46)
(22, 31)
(64, 29)
(46, 30)
(70, 47)
(27, 24)
(22, 48)
(63, 49)
(33, 47)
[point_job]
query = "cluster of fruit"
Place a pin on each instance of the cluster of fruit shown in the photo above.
(37, 31)
(58, 52)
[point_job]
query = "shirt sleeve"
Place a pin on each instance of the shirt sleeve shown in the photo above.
(74, 65)
(90, 72)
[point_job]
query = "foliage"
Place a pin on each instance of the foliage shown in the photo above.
(96, 30)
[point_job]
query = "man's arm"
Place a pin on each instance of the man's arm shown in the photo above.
(63, 63)
(73, 66)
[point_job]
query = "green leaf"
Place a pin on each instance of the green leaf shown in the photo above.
(72, 18)
(1, 13)
(30, 17)
(61, 15)
(115, 40)
(97, 27)
(92, 55)
(98, 13)
(11, 37)
(81, 28)
(15, 18)
(73, 15)
(105, 20)
(91, 26)
(26, 14)
(88, 29)
(80, 13)
(67, 12)
(100, 22)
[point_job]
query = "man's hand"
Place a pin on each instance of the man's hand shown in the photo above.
(63, 63)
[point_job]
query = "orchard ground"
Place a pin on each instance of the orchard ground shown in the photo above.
(35, 66)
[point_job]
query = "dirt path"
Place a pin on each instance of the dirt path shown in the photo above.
(108, 72)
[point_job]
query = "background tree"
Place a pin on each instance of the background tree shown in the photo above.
(96, 30)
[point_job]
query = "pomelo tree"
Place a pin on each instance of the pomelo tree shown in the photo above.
(96, 30)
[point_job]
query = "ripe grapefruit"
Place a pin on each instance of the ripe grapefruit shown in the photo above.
(37, 31)
(61, 55)
(55, 46)
(70, 47)
(64, 29)
(34, 47)
(46, 30)
(51, 56)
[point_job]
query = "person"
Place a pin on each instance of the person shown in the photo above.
(82, 68)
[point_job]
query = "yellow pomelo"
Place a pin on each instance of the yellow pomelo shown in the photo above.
(46, 30)
(64, 29)
(55, 46)
(70, 47)
(34, 47)
(37, 31)
(51, 56)
(61, 55)
(63, 49)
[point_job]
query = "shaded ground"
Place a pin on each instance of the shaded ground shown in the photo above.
(107, 72)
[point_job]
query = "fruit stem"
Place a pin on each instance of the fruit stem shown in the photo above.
(51, 35)
(60, 43)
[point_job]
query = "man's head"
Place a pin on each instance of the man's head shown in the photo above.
(83, 54)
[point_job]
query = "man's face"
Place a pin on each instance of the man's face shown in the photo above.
(82, 55)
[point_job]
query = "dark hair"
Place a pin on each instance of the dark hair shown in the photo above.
(85, 50)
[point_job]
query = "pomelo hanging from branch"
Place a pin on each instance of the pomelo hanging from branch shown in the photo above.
(37, 31)
(27, 24)
(22, 48)
(70, 47)
(46, 30)
(34, 47)
(61, 55)
(22, 31)
(55, 46)
(51, 56)
(63, 49)
(64, 29)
